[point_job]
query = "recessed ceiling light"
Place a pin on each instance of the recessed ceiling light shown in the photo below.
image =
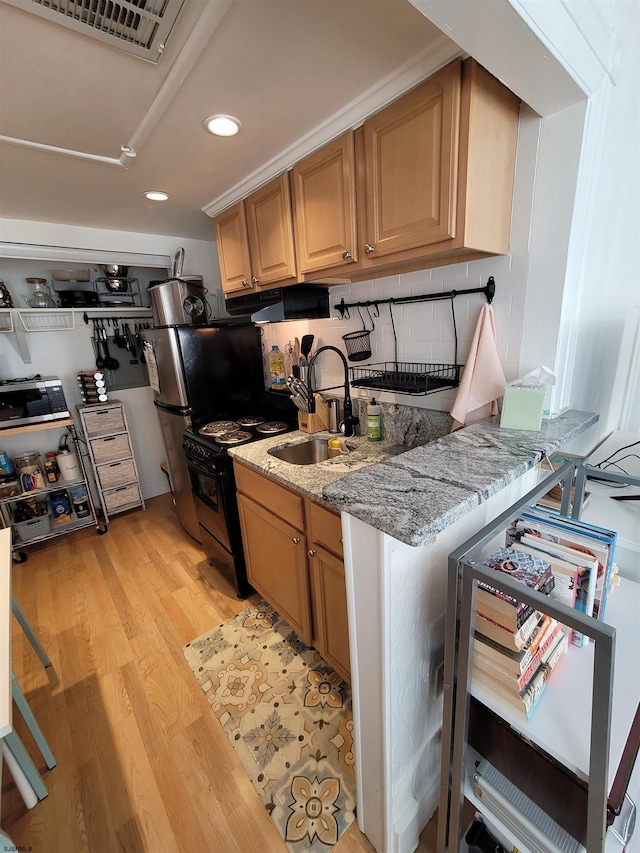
(156, 195)
(222, 125)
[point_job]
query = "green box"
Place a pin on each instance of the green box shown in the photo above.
(522, 408)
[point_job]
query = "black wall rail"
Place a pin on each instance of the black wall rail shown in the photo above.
(489, 291)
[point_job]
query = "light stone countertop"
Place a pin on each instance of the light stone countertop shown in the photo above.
(413, 494)
(312, 479)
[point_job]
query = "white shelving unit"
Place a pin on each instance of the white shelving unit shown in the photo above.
(19, 322)
(112, 459)
(583, 722)
(51, 529)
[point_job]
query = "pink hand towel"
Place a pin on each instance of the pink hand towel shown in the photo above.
(483, 379)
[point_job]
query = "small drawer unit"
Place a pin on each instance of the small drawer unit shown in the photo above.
(105, 420)
(124, 497)
(111, 453)
(111, 448)
(117, 474)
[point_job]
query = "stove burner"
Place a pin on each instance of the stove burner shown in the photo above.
(251, 421)
(235, 437)
(216, 428)
(272, 427)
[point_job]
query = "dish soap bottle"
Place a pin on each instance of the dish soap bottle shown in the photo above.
(277, 369)
(374, 421)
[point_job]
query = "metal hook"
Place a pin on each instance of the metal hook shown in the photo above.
(376, 310)
(373, 325)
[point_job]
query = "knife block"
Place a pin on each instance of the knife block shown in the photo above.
(316, 422)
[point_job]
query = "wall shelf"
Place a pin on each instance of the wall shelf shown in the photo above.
(17, 322)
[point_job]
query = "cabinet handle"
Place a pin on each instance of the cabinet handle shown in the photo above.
(346, 256)
(368, 248)
(255, 279)
(245, 283)
(295, 540)
(311, 553)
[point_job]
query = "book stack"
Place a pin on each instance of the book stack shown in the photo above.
(516, 647)
(581, 555)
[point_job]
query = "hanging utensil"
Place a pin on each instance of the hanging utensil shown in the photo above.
(110, 363)
(96, 338)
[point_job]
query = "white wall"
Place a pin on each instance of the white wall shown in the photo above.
(607, 317)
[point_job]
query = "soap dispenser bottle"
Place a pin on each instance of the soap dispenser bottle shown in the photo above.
(374, 425)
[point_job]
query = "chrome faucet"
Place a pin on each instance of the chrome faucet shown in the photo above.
(349, 420)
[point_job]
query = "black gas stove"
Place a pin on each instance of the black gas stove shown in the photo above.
(213, 484)
(214, 438)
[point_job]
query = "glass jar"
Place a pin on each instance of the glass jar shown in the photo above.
(29, 470)
(51, 470)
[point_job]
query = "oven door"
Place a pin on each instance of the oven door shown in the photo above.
(209, 497)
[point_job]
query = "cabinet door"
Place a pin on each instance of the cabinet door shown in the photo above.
(270, 229)
(233, 250)
(411, 163)
(276, 555)
(330, 610)
(324, 195)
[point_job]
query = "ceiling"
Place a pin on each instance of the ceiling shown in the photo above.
(290, 70)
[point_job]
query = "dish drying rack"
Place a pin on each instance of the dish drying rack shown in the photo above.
(416, 378)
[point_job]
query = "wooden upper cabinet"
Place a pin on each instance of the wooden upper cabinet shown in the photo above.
(255, 240)
(233, 250)
(426, 181)
(324, 200)
(411, 162)
(270, 229)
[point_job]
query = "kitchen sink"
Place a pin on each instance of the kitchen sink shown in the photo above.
(306, 452)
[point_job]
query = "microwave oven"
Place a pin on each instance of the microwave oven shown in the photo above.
(31, 401)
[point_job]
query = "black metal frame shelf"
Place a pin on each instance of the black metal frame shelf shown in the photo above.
(407, 377)
(416, 378)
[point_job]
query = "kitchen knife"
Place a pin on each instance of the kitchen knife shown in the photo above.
(298, 387)
(300, 402)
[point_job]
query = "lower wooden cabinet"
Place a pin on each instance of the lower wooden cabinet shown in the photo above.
(276, 555)
(330, 621)
(293, 550)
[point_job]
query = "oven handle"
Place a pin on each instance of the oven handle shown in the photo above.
(196, 466)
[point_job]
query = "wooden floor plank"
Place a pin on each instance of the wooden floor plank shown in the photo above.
(143, 764)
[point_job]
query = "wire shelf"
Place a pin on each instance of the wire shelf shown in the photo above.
(407, 377)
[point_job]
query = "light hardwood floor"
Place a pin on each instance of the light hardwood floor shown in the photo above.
(143, 764)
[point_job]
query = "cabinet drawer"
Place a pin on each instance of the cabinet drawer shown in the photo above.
(122, 497)
(326, 528)
(110, 448)
(116, 474)
(104, 421)
(278, 499)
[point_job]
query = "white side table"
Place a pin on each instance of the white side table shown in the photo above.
(24, 772)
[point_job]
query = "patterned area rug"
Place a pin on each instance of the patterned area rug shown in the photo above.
(288, 716)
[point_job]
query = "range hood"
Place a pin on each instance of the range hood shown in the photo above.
(297, 302)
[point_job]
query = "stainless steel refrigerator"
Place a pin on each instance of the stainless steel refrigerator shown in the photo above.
(199, 374)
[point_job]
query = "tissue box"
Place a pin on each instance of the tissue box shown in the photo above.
(522, 408)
